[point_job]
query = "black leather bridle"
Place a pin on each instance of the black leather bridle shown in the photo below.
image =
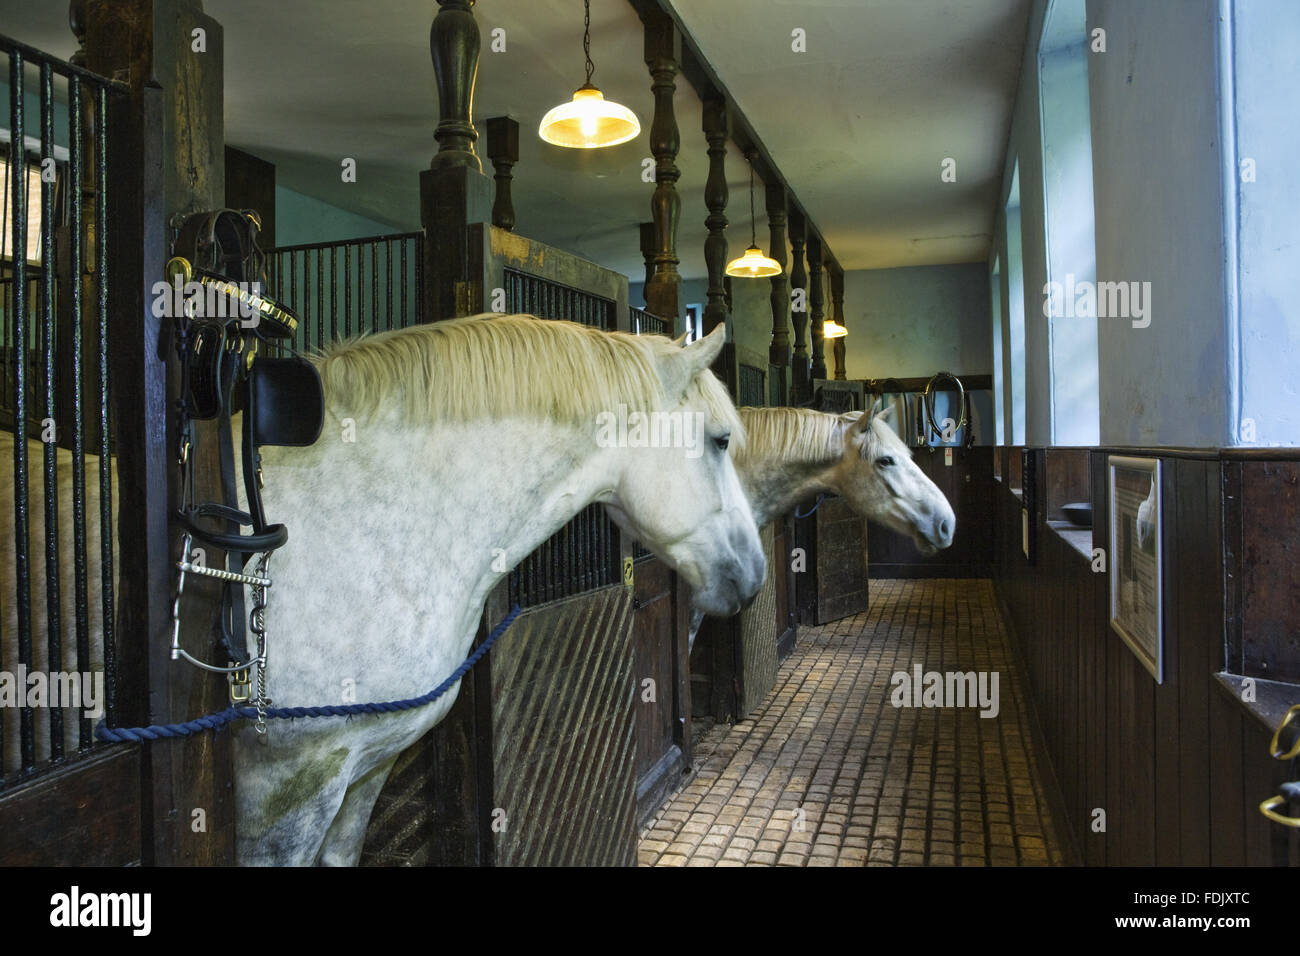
(217, 267)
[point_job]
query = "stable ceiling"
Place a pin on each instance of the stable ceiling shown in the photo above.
(858, 124)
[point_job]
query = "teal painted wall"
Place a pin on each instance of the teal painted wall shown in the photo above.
(300, 218)
(918, 320)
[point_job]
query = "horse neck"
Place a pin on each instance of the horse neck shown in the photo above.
(461, 504)
(775, 482)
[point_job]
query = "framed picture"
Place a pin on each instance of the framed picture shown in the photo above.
(1136, 559)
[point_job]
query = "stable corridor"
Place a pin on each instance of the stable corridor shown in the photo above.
(829, 772)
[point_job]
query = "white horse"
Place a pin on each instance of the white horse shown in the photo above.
(473, 438)
(792, 454)
(450, 452)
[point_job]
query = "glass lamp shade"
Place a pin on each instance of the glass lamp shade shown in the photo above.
(833, 330)
(753, 265)
(589, 121)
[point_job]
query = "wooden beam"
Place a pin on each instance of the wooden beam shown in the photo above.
(816, 306)
(705, 81)
(454, 192)
(662, 57)
(837, 313)
(779, 350)
(799, 377)
(503, 150)
(715, 199)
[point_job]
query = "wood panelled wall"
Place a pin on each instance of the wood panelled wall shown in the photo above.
(1179, 767)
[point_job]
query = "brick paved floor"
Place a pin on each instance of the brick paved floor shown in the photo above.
(828, 772)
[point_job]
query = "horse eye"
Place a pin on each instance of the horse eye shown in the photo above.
(885, 461)
(722, 442)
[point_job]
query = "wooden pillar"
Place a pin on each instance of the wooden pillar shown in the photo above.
(648, 255)
(503, 150)
(166, 156)
(779, 349)
(837, 312)
(799, 391)
(817, 306)
(715, 198)
(454, 192)
(663, 46)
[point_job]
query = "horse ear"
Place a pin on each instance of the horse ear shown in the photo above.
(702, 352)
(680, 341)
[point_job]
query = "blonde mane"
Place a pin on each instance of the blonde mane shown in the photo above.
(495, 366)
(790, 435)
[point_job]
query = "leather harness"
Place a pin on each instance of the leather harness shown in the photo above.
(217, 268)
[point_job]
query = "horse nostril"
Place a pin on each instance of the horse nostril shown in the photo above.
(945, 529)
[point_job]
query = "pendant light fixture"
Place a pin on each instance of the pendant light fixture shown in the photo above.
(589, 121)
(833, 330)
(753, 264)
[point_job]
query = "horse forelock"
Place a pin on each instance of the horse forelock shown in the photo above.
(484, 367)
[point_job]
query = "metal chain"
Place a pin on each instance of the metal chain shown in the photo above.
(257, 624)
(586, 41)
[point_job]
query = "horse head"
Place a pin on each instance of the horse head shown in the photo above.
(677, 491)
(877, 475)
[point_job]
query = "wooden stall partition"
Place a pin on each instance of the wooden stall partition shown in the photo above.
(834, 539)
(578, 722)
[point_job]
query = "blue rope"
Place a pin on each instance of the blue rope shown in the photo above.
(221, 718)
(820, 499)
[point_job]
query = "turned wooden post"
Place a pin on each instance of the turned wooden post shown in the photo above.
(663, 47)
(799, 317)
(503, 150)
(837, 312)
(454, 192)
(715, 198)
(454, 46)
(817, 306)
(779, 349)
(648, 255)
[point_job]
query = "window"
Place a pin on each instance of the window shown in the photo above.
(33, 203)
(1015, 347)
(999, 400)
(1069, 311)
(694, 322)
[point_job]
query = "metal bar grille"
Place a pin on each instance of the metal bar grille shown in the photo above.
(584, 554)
(56, 636)
(552, 300)
(643, 323)
(750, 386)
(377, 276)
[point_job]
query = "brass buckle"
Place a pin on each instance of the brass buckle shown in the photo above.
(241, 679)
(1274, 746)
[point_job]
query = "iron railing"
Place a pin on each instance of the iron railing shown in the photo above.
(54, 384)
(341, 289)
(553, 300)
(643, 323)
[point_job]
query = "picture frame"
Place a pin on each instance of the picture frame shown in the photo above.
(1137, 558)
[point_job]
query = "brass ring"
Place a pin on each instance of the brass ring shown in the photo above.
(1275, 744)
(1268, 808)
